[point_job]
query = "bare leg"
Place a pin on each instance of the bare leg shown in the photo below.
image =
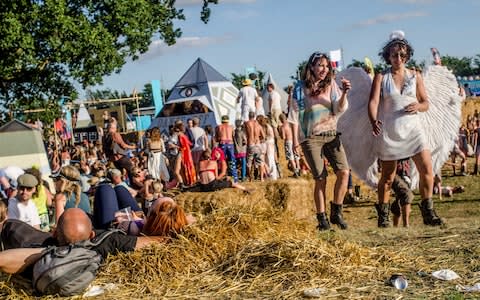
(341, 185)
(319, 194)
(406, 214)
(423, 162)
(386, 180)
(396, 220)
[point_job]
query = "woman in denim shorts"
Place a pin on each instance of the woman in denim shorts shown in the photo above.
(320, 101)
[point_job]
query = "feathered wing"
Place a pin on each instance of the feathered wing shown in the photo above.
(357, 137)
(442, 120)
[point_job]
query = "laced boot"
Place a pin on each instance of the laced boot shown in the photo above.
(336, 216)
(383, 212)
(323, 223)
(429, 215)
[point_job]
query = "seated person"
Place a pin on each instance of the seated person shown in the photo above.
(219, 157)
(73, 226)
(69, 191)
(116, 177)
(107, 201)
(209, 179)
(21, 207)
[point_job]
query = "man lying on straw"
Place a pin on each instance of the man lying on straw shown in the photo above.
(74, 226)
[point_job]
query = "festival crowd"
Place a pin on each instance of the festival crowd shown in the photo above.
(112, 183)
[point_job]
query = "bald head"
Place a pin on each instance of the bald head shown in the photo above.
(74, 226)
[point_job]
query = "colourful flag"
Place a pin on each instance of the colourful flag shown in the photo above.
(336, 59)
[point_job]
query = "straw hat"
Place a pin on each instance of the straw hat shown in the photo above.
(246, 82)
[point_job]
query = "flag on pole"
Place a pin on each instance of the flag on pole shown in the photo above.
(336, 59)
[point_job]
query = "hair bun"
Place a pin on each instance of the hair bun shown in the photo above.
(397, 35)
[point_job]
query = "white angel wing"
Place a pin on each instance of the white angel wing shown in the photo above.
(357, 137)
(442, 120)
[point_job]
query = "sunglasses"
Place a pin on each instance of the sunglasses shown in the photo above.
(25, 188)
(317, 55)
(402, 55)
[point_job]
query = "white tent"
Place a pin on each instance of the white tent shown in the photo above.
(83, 117)
(22, 146)
(279, 89)
(200, 83)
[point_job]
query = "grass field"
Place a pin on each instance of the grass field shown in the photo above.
(265, 246)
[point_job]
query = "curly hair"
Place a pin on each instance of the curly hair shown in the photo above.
(309, 78)
(399, 43)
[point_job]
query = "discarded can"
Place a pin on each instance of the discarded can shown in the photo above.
(398, 281)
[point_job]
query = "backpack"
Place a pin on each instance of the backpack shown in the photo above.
(68, 270)
(17, 234)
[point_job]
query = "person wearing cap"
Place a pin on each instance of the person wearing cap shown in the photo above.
(247, 97)
(69, 191)
(21, 207)
(224, 137)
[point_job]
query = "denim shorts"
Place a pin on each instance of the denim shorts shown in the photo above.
(318, 148)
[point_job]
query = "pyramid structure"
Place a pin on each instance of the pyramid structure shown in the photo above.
(203, 83)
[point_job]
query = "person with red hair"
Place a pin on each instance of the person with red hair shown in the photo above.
(166, 218)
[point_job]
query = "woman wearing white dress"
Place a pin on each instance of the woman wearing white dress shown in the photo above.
(157, 162)
(396, 98)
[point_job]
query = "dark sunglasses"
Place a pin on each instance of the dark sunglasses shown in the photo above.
(26, 188)
(399, 54)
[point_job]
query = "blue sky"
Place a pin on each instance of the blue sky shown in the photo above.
(275, 36)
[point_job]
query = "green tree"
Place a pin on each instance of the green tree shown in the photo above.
(299, 70)
(237, 80)
(48, 45)
(459, 66)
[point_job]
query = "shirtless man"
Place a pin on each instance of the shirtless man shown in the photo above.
(224, 137)
(286, 134)
(73, 226)
(254, 134)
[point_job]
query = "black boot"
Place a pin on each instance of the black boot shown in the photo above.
(322, 222)
(428, 213)
(475, 170)
(383, 212)
(336, 215)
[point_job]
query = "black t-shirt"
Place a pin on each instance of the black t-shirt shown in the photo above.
(17, 234)
(114, 243)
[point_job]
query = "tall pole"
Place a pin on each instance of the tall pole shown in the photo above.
(138, 116)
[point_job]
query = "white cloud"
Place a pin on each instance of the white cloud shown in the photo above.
(387, 18)
(159, 47)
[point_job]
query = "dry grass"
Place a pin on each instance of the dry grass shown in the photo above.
(265, 246)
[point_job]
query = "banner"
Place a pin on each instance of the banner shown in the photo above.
(336, 59)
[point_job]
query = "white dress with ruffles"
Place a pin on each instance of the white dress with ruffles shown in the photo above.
(402, 134)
